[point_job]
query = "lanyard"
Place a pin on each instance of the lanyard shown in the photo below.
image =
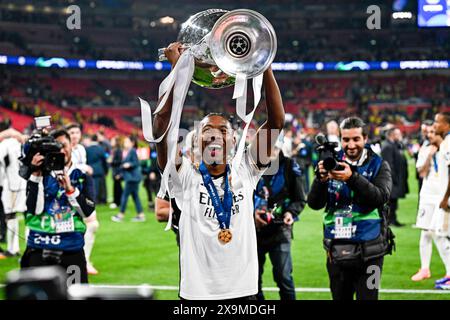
(222, 209)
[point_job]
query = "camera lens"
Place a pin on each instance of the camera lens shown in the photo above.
(329, 164)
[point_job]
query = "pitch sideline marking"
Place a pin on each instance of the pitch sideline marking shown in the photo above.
(175, 288)
(326, 290)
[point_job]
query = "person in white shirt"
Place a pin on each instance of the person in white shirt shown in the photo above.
(441, 217)
(14, 191)
(79, 161)
(218, 253)
(333, 133)
(429, 163)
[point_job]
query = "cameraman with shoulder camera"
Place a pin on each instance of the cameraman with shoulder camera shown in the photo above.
(354, 192)
(279, 199)
(57, 202)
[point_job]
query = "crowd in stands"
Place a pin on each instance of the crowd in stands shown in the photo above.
(403, 100)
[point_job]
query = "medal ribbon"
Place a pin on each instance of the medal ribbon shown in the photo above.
(222, 209)
(435, 163)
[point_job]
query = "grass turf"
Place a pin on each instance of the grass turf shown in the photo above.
(136, 253)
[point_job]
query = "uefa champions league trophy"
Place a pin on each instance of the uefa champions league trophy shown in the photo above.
(225, 43)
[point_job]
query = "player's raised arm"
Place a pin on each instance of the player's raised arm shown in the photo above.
(162, 118)
(262, 148)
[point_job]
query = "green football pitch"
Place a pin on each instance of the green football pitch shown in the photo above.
(136, 253)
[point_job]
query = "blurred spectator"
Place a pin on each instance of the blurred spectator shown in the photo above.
(106, 145)
(333, 132)
(96, 158)
(131, 174)
(115, 162)
(392, 151)
(151, 176)
(303, 153)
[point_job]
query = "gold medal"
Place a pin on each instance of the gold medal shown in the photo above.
(225, 235)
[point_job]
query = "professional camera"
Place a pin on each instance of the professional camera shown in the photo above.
(41, 142)
(327, 153)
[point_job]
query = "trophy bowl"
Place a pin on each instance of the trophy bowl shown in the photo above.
(243, 41)
(225, 43)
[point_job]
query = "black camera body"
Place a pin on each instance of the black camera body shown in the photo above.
(327, 153)
(270, 216)
(48, 147)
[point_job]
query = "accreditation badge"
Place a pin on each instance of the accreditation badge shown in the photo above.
(62, 217)
(343, 224)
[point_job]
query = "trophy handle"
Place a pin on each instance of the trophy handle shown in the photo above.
(161, 55)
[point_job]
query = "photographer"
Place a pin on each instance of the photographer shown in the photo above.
(279, 199)
(354, 195)
(57, 202)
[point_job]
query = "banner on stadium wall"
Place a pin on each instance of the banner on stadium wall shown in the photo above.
(277, 66)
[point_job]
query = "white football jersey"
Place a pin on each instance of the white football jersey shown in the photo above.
(435, 180)
(209, 269)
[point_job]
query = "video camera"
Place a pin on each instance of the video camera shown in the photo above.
(327, 153)
(43, 143)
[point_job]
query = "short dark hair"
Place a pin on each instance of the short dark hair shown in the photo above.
(446, 116)
(59, 133)
(73, 125)
(428, 122)
(354, 122)
(217, 114)
(390, 131)
(94, 137)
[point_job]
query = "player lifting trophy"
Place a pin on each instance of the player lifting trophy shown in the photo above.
(216, 49)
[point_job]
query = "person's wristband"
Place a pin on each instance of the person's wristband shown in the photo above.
(69, 193)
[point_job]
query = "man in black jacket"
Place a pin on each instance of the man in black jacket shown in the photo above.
(96, 158)
(279, 199)
(392, 152)
(354, 230)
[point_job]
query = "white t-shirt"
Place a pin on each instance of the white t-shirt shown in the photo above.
(435, 180)
(79, 157)
(210, 270)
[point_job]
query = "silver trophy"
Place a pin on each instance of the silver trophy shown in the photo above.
(226, 43)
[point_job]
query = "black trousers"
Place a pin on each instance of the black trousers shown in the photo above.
(393, 206)
(359, 278)
(33, 258)
(102, 190)
(151, 186)
(117, 191)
